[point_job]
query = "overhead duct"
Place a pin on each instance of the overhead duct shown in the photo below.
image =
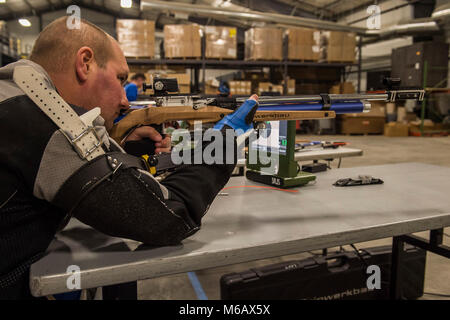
(442, 16)
(246, 14)
(414, 27)
(441, 13)
(439, 21)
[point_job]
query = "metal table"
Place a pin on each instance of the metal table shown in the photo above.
(257, 223)
(320, 154)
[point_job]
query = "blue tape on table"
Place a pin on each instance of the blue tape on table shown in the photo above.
(201, 295)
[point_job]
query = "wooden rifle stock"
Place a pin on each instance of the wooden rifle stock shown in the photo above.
(158, 115)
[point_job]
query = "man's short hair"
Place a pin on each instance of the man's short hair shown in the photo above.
(57, 45)
(137, 76)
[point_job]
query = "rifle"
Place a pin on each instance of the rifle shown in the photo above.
(172, 107)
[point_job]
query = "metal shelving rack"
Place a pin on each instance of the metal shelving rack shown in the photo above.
(201, 64)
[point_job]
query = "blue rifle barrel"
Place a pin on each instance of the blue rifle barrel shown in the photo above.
(339, 107)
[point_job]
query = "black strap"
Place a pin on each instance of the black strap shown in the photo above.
(89, 176)
(326, 101)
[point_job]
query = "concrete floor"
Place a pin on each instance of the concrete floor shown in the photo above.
(377, 150)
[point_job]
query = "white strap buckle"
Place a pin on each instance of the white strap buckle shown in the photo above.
(84, 154)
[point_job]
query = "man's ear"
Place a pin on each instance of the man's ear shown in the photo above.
(84, 62)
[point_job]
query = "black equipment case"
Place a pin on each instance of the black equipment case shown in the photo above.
(339, 275)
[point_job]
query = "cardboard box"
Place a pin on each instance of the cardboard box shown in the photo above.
(337, 46)
(361, 125)
(269, 87)
(220, 42)
(343, 87)
(240, 87)
(136, 37)
(377, 110)
(212, 86)
(290, 87)
(264, 44)
(303, 44)
(349, 47)
(395, 129)
(364, 123)
(182, 41)
(410, 116)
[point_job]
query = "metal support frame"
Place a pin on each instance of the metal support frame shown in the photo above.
(424, 102)
(203, 50)
(433, 245)
(359, 63)
(285, 67)
(196, 80)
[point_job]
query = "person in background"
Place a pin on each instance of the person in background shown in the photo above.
(224, 89)
(132, 89)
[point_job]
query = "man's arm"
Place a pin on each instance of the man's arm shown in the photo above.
(132, 204)
(136, 206)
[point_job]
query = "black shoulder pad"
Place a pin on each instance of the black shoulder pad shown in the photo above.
(85, 179)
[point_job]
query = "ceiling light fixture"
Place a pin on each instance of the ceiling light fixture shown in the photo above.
(126, 3)
(25, 22)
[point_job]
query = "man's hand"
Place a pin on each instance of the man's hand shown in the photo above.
(161, 145)
(241, 120)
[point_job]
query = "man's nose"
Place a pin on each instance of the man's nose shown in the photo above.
(124, 103)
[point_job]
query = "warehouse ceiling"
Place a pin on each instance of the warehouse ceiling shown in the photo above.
(323, 9)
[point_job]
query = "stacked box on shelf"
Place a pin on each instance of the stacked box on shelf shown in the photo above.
(337, 46)
(182, 41)
(136, 37)
(212, 86)
(255, 78)
(343, 87)
(240, 87)
(220, 42)
(270, 87)
(264, 44)
(396, 129)
(290, 87)
(303, 44)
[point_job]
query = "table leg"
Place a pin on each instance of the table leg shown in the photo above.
(395, 281)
